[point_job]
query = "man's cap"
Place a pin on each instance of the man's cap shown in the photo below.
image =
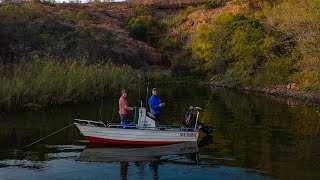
(155, 89)
(123, 91)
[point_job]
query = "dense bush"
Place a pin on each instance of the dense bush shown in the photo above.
(143, 24)
(179, 18)
(240, 51)
(140, 26)
(300, 20)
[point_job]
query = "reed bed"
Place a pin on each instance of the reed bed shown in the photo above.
(49, 81)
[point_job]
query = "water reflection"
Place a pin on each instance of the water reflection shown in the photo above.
(256, 137)
(98, 153)
(141, 156)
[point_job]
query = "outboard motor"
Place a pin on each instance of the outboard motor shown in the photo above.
(190, 120)
(206, 128)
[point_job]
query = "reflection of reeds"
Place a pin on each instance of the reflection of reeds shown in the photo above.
(49, 81)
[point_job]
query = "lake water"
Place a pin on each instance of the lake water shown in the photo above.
(256, 137)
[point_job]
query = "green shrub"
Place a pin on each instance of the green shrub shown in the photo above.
(75, 17)
(180, 17)
(140, 26)
(144, 25)
(275, 70)
(169, 44)
(211, 4)
(240, 52)
(140, 10)
(203, 45)
(8, 8)
(300, 21)
(184, 64)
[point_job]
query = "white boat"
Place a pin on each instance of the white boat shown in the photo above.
(142, 133)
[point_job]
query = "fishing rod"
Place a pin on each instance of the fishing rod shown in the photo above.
(139, 76)
(147, 92)
(101, 102)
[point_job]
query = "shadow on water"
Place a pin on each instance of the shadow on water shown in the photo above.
(255, 138)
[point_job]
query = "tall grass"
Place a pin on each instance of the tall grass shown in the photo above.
(49, 81)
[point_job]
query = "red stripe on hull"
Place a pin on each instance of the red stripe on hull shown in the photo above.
(125, 142)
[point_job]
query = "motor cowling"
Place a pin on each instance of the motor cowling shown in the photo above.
(190, 120)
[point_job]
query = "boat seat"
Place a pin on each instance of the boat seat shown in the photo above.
(150, 115)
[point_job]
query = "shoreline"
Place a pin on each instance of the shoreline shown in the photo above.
(309, 97)
(278, 92)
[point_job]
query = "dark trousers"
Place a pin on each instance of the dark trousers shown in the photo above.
(157, 118)
(124, 118)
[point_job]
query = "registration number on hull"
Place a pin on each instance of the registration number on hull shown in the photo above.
(187, 134)
(91, 130)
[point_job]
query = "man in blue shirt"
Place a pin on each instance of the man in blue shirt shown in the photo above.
(155, 105)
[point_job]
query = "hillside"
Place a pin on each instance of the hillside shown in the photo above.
(71, 31)
(246, 43)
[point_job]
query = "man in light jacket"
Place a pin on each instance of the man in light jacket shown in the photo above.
(123, 107)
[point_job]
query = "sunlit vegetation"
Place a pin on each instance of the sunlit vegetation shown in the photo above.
(180, 17)
(239, 51)
(299, 19)
(268, 42)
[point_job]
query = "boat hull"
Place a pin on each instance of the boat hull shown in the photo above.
(107, 135)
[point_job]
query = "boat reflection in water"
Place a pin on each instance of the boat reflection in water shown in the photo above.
(98, 153)
(141, 156)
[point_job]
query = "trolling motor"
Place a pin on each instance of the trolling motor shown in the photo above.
(191, 119)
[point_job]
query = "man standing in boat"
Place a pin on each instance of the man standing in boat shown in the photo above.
(123, 107)
(155, 105)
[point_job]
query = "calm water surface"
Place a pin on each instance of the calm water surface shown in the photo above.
(256, 138)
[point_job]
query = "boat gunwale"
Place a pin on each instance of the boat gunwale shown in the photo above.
(143, 129)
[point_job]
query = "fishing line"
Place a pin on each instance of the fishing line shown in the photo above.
(48, 136)
(209, 99)
(17, 149)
